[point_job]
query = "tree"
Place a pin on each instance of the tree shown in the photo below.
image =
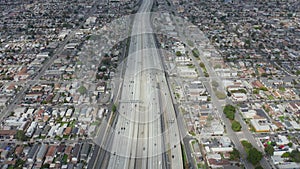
(65, 159)
(230, 115)
(295, 156)
(235, 154)
(12, 113)
(20, 135)
(106, 61)
(263, 88)
(114, 108)
(246, 145)
(254, 156)
(195, 52)
(206, 74)
(264, 75)
(202, 65)
(229, 111)
(269, 149)
(285, 155)
(178, 53)
(236, 126)
(82, 90)
(19, 164)
(45, 166)
(290, 144)
(259, 167)
(229, 108)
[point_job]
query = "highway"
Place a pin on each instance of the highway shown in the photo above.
(145, 133)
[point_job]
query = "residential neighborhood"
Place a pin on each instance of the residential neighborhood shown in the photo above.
(231, 69)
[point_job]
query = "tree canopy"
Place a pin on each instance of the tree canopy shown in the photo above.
(195, 52)
(114, 108)
(293, 156)
(254, 156)
(235, 154)
(236, 126)
(82, 90)
(20, 135)
(246, 145)
(259, 167)
(286, 155)
(229, 111)
(178, 53)
(269, 149)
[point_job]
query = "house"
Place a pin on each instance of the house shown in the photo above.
(41, 153)
(261, 113)
(295, 125)
(60, 149)
(74, 131)
(196, 91)
(50, 154)
(43, 55)
(68, 150)
(10, 88)
(37, 133)
(63, 34)
(32, 153)
(31, 129)
(71, 46)
(288, 125)
(19, 150)
(222, 144)
(8, 133)
(257, 84)
(282, 140)
(46, 130)
(67, 131)
(260, 125)
(215, 129)
(85, 151)
(239, 97)
(60, 130)
(183, 60)
(69, 113)
(76, 153)
(22, 74)
(244, 108)
(226, 72)
(215, 161)
(225, 141)
(288, 165)
(4, 101)
(90, 21)
(179, 47)
(187, 72)
(52, 131)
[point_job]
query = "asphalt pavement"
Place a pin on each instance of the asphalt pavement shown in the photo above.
(140, 139)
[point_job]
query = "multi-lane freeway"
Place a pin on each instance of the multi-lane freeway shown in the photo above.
(145, 132)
